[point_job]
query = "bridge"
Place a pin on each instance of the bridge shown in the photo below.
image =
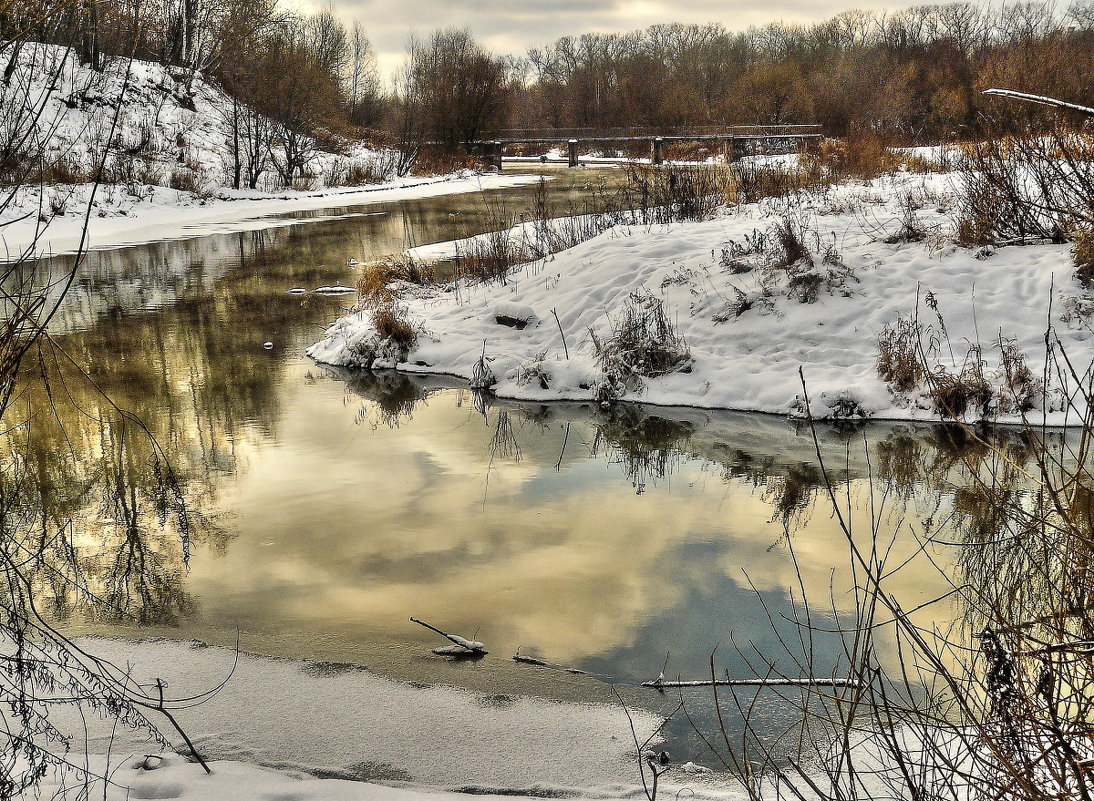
(739, 140)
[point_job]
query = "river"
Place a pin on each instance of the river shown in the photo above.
(311, 512)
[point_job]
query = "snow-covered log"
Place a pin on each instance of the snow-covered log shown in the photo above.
(1039, 99)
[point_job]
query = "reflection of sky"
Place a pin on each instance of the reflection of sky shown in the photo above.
(349, 529)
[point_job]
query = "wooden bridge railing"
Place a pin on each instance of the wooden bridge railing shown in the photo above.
(738, 137)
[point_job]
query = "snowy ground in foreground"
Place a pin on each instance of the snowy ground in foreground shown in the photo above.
(120, 217)
(174, 778)
(344, 720)
(301, 719)
(749, 359)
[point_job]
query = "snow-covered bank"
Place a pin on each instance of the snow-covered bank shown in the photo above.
(342, 720)
(146, 123)
(297, 729)
(163, 139)
(174, 778)
(119, 217)
(749, 326)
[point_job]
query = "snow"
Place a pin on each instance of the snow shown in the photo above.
(176, 778)
(173, 126)
(746, 356)
(343, 720)
(278, 724)
(119, 219)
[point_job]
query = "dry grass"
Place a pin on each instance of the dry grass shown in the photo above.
(908, 362)
(375, 284)
(491, 256)
(898, 361)
(394, 328)
(644, 343)
(1083, 255)
(954, 395)
(752, 183)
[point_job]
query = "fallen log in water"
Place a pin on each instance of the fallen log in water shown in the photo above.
(661, 684)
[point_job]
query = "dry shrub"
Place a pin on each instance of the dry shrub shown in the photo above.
(643, 343)
(697, 150)
(863, 155)
(974, 229)
(66, 170)
(375, 284)
(184, 180)
(432, 161)
(898, 361)
(359, 173)
(1027, 189)
(1083, 256)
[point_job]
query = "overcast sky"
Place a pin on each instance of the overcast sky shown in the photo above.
(512, 26)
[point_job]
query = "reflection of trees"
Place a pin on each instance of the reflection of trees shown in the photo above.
(127, 493)
(646, 445)
(390, 396)
(649, 443)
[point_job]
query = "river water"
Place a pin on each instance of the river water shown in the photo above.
(311, 512)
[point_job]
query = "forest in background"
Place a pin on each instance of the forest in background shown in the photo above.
(913, 76)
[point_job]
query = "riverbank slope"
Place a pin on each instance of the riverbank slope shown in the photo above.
(723, 313)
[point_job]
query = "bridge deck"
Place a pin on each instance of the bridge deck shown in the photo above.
(647, 138)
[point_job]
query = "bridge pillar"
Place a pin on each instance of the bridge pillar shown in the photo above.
(658, 150)
(574, 160)
(737, 149)
(496, 150)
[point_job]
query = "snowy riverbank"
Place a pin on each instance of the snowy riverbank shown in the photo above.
(122, 217)
(875, 251)
(162, 139)
(356, 730)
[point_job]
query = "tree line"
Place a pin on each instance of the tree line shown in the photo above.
(914, 75)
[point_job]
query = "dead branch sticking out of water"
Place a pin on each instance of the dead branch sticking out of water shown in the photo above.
(530, 660)
(460, 646)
